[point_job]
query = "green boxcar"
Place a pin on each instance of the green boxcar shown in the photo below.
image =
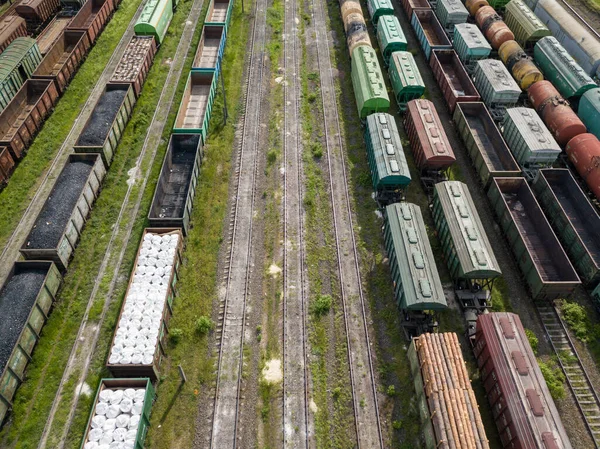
(391, 37)
(405, 78)
(123, 384)
(389, 170)
(470, 44)
(525, 25)
(466, 247)
(155, 20)
(559, 67)
(589, 111)
(379, 8)
(417, 284)
(574, 219)
(27, 294)
(196, 106)
(17, 63)
(367, 80)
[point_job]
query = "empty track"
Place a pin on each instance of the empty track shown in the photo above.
(238, 268)
(295, 366)
(364, 392)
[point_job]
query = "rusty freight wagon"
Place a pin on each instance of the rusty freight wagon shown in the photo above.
(138, 344)
(521, 403)
(52, 33)
(37, 11)
(11, 27)
(176, 188)
(196, 106)
(574, 219)
(7, 165)
(92, 18)
(135, 63)
(17, 64)
(415, 5)
(25, 114)
(428, 141)
(103, 130)
(210, 49)
(446, 401)
(542, 260)
(430, 32)
(25, 303)
(486, 147)
(62, 61)
(58, 226)
(219, 13)
(452, 78)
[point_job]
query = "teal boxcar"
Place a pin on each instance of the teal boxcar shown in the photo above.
(450, 13)
(467, 250)
(379, 8)
(417, 284)
(196, 106)
(470, 44)
(128, 387)
(405, 78)
(559, 67)
(17, 63)
(391, 37)
(389, 170)
(367, 80)
(573, 218)
(155, 19)
(589, 111)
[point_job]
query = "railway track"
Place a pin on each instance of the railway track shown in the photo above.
(585, 395)
(363, 384)
(232, 313)
(581, 19)
(82, 352)
(296, 433)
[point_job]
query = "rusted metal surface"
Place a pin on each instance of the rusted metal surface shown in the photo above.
(37, 10)
(92, 17)
(135, 63)
(11, 27)
(7, 165)
(414, 5)
(452, 78)
(52, 33)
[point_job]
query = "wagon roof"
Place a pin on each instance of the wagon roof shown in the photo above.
(387, 148)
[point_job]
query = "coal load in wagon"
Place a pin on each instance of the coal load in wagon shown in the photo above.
(16, 300)
(51, 222)
(102, 118)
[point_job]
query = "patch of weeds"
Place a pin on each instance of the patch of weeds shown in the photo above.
(204, 325)
(533, 340)
(176, 335)
(555, 379)
(321, 305)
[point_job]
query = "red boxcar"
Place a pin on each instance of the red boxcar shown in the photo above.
(92, 17)
(521, 404)
(37, 10)
(11, 27)
(428, 141)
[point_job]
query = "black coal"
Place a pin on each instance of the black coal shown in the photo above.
(102, 118)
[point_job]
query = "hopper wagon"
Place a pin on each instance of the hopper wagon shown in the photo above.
(417, 286)
(378, 9)
(210, 50)
(26, 299)
(546, 268)
(176, 188)
(486, 147)
(196, 106)
(154, 20)
(410, 6)
(390, 37)
(406, 79)
(470, 45)
(525, 25)
(451, 76)
(430, 32)
(135, 63)
(521, 403)
(37, 11)
(103, 130)
(219, 13)
(148, 306)
(447, 406)
(497, 88)
(57, 228)
(17, 63)
(451, 13)
(92, 18)
(7, 165)
(11, 27)
(63, 59)
(467, 250)
(53, 31)
(589, 111)
(390, 174)
(575, 221)
(25, 114)
(130, 401)
(367, 80)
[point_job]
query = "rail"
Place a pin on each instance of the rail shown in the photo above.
(576, 14)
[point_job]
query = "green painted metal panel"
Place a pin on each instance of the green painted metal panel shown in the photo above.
(405, 77)
(367, 80)
(450, 13)
(466, 247)
(469, 43)
(155, 19)
(417, 284)
(390, 36)
(17, 63)
(379, 8)
(559, 67)
(589, 111)
(525, 25)
(389, 169)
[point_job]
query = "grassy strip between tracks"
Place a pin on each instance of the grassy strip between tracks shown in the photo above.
(35, 396)
(26, 179)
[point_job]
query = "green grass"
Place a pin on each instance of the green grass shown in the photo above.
(26, 179)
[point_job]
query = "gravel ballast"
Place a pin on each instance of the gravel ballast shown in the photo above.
(103, 116)
(16, 300)
(50, 224)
